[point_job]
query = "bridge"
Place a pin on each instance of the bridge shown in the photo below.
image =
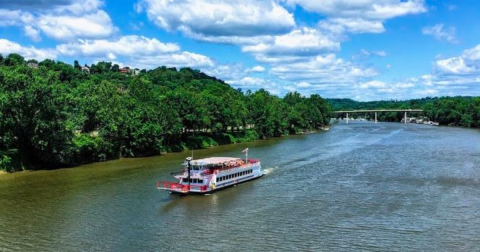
(378, 110)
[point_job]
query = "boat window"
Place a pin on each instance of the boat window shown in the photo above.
(200, 181)
(217, 179)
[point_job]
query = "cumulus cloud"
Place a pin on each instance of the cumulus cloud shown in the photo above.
(303, 84)
(138, 51)
(325, 69)
(35, 4)
(210, 18)
(8, 47)
(367, 9)
(366, 16)
(351, 25)
(123, 46)
(61, 20)
(254, 83)
(66, 27)
(440, 32)
(256, 69)
(32, 33)
(300, 42)
(467, 63)
(373, 84)
(180, 59)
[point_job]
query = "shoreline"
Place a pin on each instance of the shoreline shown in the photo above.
(325, 129)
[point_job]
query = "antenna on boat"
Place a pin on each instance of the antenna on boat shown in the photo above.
(188, 167)
(246, 155)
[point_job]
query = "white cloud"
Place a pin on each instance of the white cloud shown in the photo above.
(61, 20)
(137, 51)
(180, 59)
(66, 27)
(351, 25)
(303, 84)
(327, 69)
(123, 46)
(9, 17)
(376, 53)
(426, 92)
(373, 84)
(300, 42)
(8, 47)
(254, 83)
(472, 54)
(32, 33)
(367, 9)
(455, 65)
(467, 63)
(440, 32)
(257, 69)
(211, 18)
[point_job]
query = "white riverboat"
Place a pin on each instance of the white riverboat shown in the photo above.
(206, 175)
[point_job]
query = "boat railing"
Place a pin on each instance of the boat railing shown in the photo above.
(166, 185)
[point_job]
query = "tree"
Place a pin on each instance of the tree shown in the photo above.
(76, 65)
(35, 115)
(14, 59)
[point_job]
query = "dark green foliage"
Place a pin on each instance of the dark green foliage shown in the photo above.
(59, 115)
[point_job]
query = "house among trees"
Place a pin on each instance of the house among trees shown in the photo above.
(85, 69)
(136, 71)
(32, 65)
(125, 70)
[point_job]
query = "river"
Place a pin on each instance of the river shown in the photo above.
(361, 186)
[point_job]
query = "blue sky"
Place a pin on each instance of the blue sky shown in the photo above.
(359, 49)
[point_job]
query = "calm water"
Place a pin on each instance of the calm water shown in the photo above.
(359, 186)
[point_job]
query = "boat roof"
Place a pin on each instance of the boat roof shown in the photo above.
(213, 160)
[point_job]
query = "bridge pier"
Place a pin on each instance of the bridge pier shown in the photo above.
(375, 117)
(347, 118)
(405, 117)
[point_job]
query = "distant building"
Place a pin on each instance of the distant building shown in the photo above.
(85, 69)
(124, 70)
(136, 71)
(32, 65)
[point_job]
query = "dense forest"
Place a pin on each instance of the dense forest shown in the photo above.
(453, 111)
(55, 114)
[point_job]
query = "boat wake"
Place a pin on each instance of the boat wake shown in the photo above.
(269, 170)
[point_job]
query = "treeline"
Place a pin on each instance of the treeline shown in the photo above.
(454, 111)
(54, 114)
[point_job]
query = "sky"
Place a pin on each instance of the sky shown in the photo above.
(359, 49)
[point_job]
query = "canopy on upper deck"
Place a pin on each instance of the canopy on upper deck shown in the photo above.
(214, 160)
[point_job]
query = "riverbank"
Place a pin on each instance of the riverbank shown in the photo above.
(197, 141)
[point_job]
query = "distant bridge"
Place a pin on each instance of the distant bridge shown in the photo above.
(378, 110)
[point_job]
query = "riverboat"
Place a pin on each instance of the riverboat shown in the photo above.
(206, 175)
